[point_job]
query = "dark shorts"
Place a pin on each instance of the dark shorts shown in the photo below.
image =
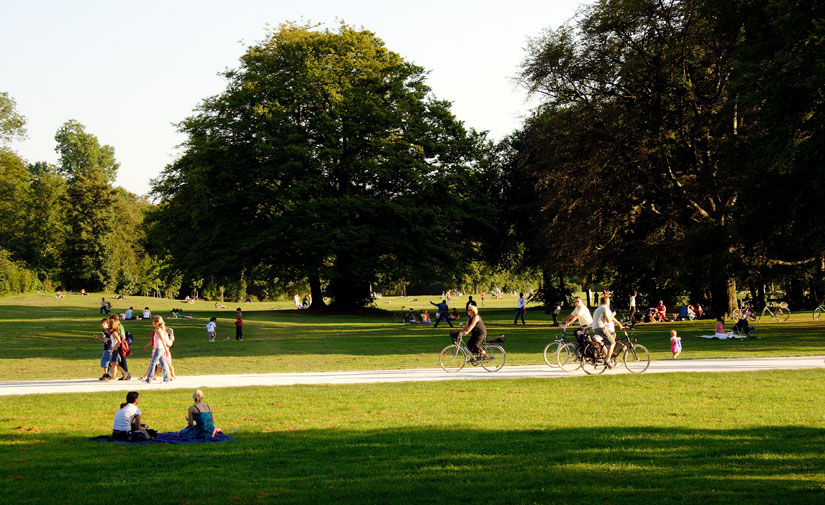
(474, 344)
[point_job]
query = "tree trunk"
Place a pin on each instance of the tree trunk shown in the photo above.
(316, 293)
(724, 297)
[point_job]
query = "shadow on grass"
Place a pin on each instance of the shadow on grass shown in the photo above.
(589, 465)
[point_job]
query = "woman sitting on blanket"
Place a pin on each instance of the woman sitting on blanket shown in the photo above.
(127, 424)
(201, 415)
(720, 329)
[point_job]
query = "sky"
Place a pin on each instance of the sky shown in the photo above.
(130, 71)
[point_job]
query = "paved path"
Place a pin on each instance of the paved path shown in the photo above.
(413, 375)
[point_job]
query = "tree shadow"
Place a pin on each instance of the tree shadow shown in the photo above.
(639, 465)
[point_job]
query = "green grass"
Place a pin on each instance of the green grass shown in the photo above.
(750, 438)
(743, 438)
(45, 338)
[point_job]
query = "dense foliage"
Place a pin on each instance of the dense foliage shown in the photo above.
(669, 137)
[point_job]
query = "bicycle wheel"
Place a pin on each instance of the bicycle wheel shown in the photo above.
(736, 315)
(783, 314)
(452, 358)
(567, 358)
(817, 313)
(636, 359)
(550, 352)
(593, 366)
(496, 356)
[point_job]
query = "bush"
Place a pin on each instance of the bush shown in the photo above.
(15, 278)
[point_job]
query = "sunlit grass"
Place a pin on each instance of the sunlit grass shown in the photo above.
(43, 337)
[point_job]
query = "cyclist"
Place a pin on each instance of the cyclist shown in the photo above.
(475, 327)
(603, 325)
(580, 312)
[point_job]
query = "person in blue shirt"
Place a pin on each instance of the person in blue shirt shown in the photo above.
(442, 313)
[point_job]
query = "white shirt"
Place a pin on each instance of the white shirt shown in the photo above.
(520, 303)
(124, 416)
(633, 301)
(146, 314)
(582, 313)
(601, 316)
(210, 327)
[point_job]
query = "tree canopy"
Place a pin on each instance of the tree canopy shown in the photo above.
(326, 158)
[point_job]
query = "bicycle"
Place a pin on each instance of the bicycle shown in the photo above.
(780, 312)
(453, 357)
(403, 316)
(551, 350)
(636, 357)
(818, 311)
(746, 309)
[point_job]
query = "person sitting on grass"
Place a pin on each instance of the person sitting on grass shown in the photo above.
(200, 418)
(127, 424)
(454, 315)
(147, 313)
(424, 316)
(720, 329)
(475, 327)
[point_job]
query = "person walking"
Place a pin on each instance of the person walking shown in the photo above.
(160, 348)
(519, 310)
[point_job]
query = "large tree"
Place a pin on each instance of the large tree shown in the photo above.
(642, 147)
(325, 159)
(89, 167)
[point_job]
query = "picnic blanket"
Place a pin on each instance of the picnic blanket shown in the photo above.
(166, 438)
(728, 337)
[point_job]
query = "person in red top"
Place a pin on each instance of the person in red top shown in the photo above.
(661, 311)
(238, 324)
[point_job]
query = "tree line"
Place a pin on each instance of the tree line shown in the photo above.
(676, 151)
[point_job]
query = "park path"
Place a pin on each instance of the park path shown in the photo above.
(412, 375)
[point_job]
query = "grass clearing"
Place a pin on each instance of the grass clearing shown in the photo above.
(45, 338)
(750, 438)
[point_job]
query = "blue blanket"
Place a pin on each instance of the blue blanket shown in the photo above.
(166, 438)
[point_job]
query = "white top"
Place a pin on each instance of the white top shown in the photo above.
(124, 416)
(520, 303)
(582, 313)
(146, 314)
(633, 300)
(156, 341)
(601, 317)
(210, 327)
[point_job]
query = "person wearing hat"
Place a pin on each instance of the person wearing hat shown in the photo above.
(476, 329)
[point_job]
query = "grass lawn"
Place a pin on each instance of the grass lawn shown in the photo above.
(745, 438)
(45, 338)
(749, 438)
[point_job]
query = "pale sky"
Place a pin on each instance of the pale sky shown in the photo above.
(128, 71)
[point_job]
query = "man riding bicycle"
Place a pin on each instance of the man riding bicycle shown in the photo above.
(603, 325)
(580, 312)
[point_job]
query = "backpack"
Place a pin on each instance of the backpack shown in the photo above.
(129, 337)
(124, 347)
(170, 337)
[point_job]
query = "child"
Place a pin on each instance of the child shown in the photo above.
(239, 324)
(211, 329)
(107, 355)
(675, 344)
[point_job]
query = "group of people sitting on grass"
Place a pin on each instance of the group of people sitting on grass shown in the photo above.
(128, 424)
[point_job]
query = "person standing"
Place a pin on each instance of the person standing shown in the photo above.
(556, 313)
(470, 301)
(442, 313)
(519, 310)
(239, 323)
(632, 307)
(483, 296)
(211, 329)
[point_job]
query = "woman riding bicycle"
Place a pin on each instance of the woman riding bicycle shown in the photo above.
(474, 327)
